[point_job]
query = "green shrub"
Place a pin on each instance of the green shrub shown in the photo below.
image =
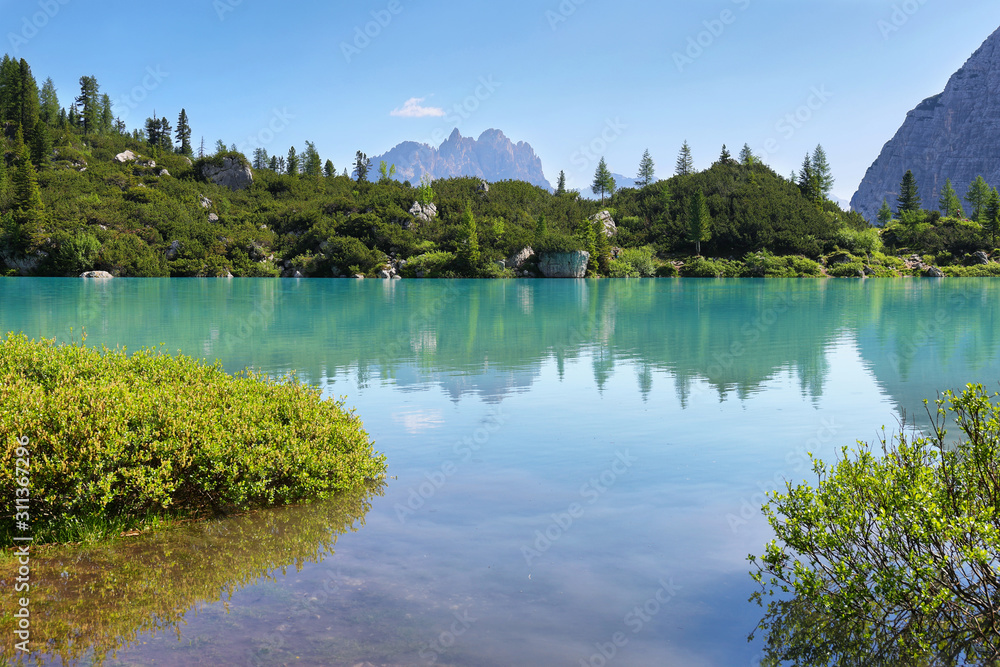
(347, 251)
(554, 243)
(699, 267)
(118, 436)
(642, 260)
(621, 269)
(977, 271)
(432, 265)
(667, 271)
(765, 265)
(864, 242)
(849, 270)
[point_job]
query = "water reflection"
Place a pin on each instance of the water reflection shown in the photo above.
(89, 603)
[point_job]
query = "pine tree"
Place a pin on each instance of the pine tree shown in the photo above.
(107, 120)
(88, 104)
(978, 194)
(312, 165)
(201, 149)
(884, 213)
(541, 227)
(220, 147)
(41, 145)
(991, 217)
(386, 172)
(725, 157)
(949, 203)
(10, 89)
(153, 132)
(603, 182)
(259, 158)
(329, 170)
(48, 103)
(362, 164)
(747, 158)
(807, 179)
(647, 173)
(183, 134)
(166, 142)
(699, 221)
(26, 111)
(292, 162)
(468, 244)
(685, 163)
(585, 232)
(823, 175)
(909, 197)
(561, 183)
(27, 201)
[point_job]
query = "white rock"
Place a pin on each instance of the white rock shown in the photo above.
(125, 157)
(103, 275)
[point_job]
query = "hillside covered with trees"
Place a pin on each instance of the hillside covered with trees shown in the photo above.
(68, 205)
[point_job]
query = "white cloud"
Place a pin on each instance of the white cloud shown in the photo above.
(412, 109)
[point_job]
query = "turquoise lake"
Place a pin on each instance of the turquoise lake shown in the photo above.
(576, 467)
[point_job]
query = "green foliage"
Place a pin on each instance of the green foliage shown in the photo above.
(344, 252)
(641, 261)
(852, 269)
(865, 242)
(976, 271)
(699, 267)
(558, 243)
(891, 557)
(909, 199)
(699, 221)
(978, 195)
(667, 271)
(121, 435)
(603, 183)
(647, 171)
(438, 264)
(884, 214)
(765, 265)
(685, 163)
(949, 203)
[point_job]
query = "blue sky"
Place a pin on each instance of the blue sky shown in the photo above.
(577, 79)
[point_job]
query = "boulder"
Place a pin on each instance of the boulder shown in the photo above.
(980, 257)
(212, 217)
(385, 274)
(607, 222)
(564, 264)
(359, 276)
(164, 172)
(173, 251)
(397, 277)
(125, 157)
(205, 201)
(484, 188)
(517, 260)
(233, 174)
(423, 213)
(103, 275)
(933, 272)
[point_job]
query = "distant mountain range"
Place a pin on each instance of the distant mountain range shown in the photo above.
(955, 134)
(492, 157)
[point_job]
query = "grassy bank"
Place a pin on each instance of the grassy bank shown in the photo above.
(107, 442)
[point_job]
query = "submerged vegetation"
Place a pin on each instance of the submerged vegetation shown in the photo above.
(891, 558)
(115, 440)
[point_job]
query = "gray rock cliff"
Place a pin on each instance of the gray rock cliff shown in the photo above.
(955, 134)
(233, 174)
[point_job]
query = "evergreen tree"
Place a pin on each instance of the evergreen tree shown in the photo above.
(292, 162)
(259, 158)
(978, 194)
(329, 170)
(27, 202)
(647, 174)
(949, 203)
(823, 175)
(699, 221)
(602, 248)
(201, 149)
(10, 89)
(386, 172)
(220, 147)
(361, 166)
(107, 121)
(561, 183)
(48, 108)
(26, 104)
(312, 165)
(725, 157)
(909, 197)
(88, 104)
(585, 232)
(41, 145)
(685, 163)
(991, 217)
(153, 132)
(541, 227)
(272, 164)
(166, 142)
(63, 119)
(603, 181)
(884, 213)
(747, 158)
(73, 119)
(468, 242)
(183, 134)
(807, 179)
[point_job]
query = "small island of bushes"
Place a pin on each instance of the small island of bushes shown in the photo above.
(110, 442)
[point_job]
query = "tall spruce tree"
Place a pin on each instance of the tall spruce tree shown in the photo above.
(10, 89)
(991, 215)
(362, 164)
(909, 197)
(978, 194)
(949, 203)
(747, 158)
(603, 183)
(647, 171)
(183, 134)
(27, 200)
(153, 132)
(107, 121)
(27, 100)
(561, 183)
(468, 241)
(166, 140)
(822, 174)
(329, 170)
(41, 145)
(699, 221)
(89, 104)
(48, 103)
(292, 162)
(685, 163)
(725, 157)
(807, 179)
(312, 165)
(884, 213)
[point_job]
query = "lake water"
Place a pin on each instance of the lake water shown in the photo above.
(576, 466)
